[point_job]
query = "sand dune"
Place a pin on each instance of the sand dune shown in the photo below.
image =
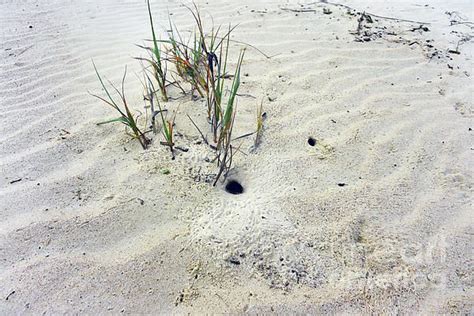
(376, 217)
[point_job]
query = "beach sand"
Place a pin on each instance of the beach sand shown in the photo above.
(375, 218)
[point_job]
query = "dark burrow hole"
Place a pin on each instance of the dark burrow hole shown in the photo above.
(234, 187)
(311, 141)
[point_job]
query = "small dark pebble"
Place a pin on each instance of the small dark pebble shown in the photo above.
(327, 11)
(31, 26)
(341, 184)
(234, 260)
(470, 129)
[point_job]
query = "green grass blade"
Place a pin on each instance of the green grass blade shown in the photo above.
(156, 51)
(103, 86)
(233, 92)
(118, 119)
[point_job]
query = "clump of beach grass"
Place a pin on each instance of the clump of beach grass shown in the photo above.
(200, 60)
(188, 60)
(216, 49)
(204, 65)
(126, 116)
(156, 109)
(225, 150)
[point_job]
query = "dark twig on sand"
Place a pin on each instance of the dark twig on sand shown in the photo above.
(299, 10)
(371, 14)
(202, 135)
(456, 18)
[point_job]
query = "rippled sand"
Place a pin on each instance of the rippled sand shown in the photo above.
(376, 217)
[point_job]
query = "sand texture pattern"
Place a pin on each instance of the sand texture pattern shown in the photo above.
(376, 217)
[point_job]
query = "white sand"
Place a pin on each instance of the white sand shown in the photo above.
(95, 227)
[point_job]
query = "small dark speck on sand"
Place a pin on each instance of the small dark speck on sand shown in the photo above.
(234, 260)
(8, 296)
